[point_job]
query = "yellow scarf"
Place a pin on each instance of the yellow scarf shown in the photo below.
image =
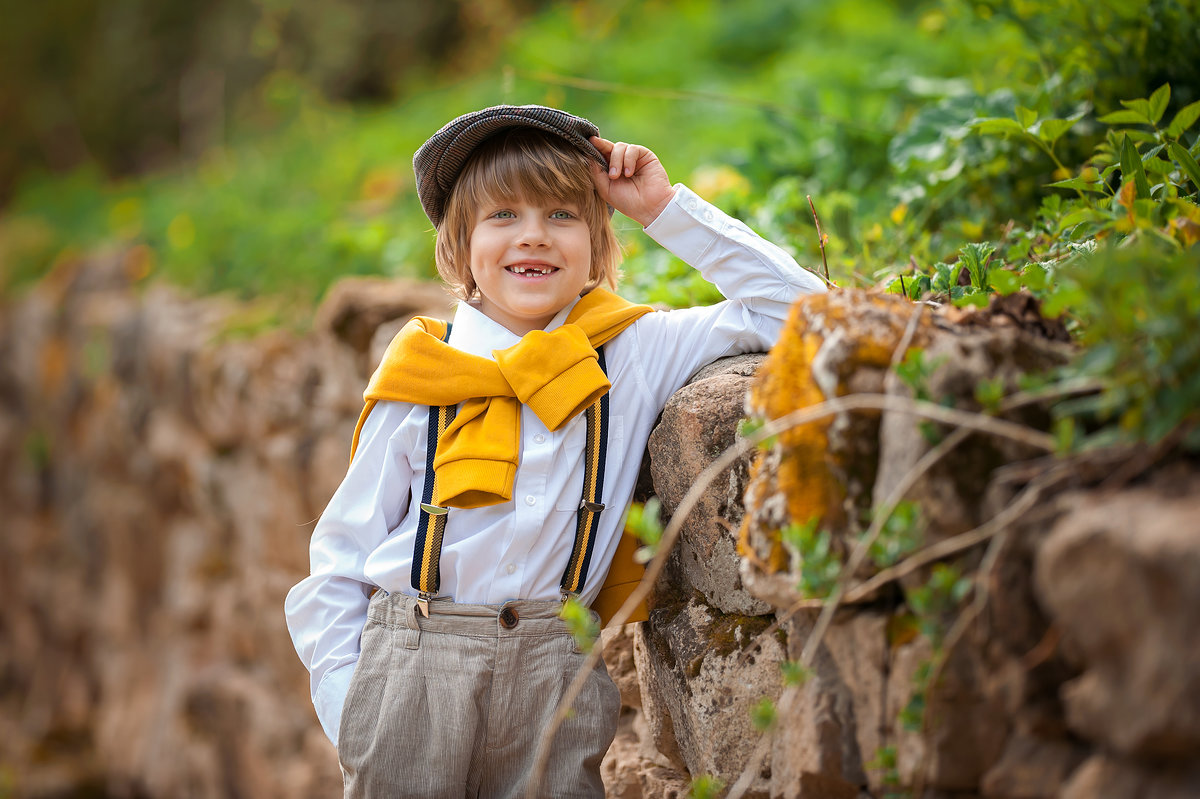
(555, 373)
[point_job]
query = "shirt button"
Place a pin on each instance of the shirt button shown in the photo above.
(512, 567)
(531, 500)
(539, 438)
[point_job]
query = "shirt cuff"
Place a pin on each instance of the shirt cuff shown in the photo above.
(688, 226)
(330, 698)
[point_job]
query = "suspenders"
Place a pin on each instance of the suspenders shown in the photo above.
(427, 549)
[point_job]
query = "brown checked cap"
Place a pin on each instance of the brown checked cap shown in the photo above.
(440, 160)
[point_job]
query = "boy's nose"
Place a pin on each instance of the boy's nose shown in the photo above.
(532, 233)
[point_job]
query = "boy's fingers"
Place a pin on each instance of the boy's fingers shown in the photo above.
(616, 159)
(602, 144)
(632, 154)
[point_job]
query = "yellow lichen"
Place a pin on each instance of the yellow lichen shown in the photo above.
(827, 339)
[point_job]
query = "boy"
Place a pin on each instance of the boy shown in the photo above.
(493, 454)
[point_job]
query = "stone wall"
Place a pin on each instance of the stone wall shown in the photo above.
(1068, 667)
(160, 473)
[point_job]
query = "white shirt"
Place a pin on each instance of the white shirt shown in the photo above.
(519, 549)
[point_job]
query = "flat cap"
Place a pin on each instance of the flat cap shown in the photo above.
(440, 160)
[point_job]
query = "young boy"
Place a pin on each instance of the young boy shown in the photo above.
(430, 620)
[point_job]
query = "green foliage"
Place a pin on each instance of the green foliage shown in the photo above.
(885, 763)
(900, 536)
(644, 521)
(934, 602)
(794, 672)
(581, 623)
(1139, 306)
(912, 716)
(813, 558)
(294, 191)
(706, 786)
(763, 714)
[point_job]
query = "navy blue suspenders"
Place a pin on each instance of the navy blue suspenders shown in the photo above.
(427, 549)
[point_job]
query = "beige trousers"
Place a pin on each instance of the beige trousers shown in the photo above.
(454, 705)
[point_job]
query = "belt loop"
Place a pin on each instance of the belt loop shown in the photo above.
(412, 629)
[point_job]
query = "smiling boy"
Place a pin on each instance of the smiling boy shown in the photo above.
(495, 458)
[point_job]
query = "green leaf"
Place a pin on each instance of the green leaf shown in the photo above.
(975, 258)
(1141, 136)
(1158, 102)
(977, 299)
(1125, 118)
(1131, 168)
(1079, 184)
(794, 672)
(1026, 117)
(1141, 106)
(1050, 130)
(1004, 281)
(997, 126)
(1184, 120)
(1080, 215)
(763, 714)
(1157, 166)
(1034, 277)
(1185, 160)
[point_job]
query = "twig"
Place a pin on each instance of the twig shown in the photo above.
(853, 402)
(821, 238)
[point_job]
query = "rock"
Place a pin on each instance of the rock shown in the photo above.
(1130, 558)
(1104, 777)
(618, 658)
(833, 344)
(1032, 768)
(830, 728)
(698, 424)
(700, 673)
(355, 307)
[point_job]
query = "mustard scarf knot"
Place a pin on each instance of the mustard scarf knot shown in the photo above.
(555, 373)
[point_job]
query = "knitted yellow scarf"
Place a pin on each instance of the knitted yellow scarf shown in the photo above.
(555, 373)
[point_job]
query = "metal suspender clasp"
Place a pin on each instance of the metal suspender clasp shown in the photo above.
(594, 507)
(423, 603)
(565, 595)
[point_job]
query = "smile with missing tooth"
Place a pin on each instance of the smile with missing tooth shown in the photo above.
(537, 270)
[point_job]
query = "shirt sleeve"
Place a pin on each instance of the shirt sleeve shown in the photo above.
(759, 280)
(327, 610)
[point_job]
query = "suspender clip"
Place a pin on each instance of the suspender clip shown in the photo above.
(423, 603)
(434, 510)
(594, 507)
(565, 595)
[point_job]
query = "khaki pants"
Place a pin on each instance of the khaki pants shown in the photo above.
(454, 705)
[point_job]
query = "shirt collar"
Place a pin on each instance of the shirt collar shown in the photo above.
(475, 333)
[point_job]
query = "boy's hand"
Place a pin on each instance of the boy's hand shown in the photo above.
(636, 183)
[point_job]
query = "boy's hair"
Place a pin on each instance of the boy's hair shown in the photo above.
(527, 164)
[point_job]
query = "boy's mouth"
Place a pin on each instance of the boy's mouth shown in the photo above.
(531, 270)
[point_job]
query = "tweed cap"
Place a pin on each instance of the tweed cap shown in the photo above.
(440, 160)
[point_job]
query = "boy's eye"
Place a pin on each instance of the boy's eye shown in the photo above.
(503, 215)
(561, 214)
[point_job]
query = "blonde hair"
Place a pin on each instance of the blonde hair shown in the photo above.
(527, 164)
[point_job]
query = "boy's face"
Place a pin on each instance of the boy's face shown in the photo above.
(530, 258)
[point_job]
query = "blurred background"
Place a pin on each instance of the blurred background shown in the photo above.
(186, 186)
(177, 126)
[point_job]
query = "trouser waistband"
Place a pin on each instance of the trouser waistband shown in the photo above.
(515, 617)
